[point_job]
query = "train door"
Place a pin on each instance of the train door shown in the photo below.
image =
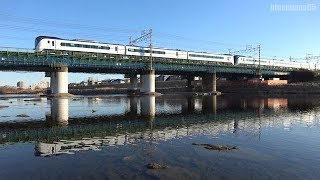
(116, 49)
(53, 44)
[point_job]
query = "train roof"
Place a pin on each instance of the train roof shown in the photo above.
(92, 41)
(51, 37)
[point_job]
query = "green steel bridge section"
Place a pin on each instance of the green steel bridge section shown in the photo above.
(14, 59)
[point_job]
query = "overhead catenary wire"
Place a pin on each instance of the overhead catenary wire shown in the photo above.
(118, 35)
(67, 25)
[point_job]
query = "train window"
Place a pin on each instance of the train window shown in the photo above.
(52, 43)
(48, 42)
(116, 48)
(205, 56)
(177, 54)
(63, 44)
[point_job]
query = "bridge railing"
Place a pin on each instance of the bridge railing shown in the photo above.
(27, 56)
(16, 50)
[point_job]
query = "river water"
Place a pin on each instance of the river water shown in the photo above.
(115, 137)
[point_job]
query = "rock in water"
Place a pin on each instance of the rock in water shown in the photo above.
(216, 147)
(156, 166)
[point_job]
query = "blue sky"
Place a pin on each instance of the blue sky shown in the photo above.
(203, 25)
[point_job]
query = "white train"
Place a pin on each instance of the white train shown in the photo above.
(244, 60)
(57, 44)
(64, 46)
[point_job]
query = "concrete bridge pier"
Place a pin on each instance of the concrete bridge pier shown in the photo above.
(133, 106)
(190, 86)
(209, 83)
(148, 82)
(59, 82)
(133, 88)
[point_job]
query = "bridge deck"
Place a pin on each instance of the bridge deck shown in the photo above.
(29, 60)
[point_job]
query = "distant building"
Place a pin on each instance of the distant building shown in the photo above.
(126, 80)
(72, 84)
(40, 85)
(92, 81)
(118, 81)
(20, 84)
(106, 81)
(160, 78)
(173, 78)
(83, 83)
(168, 78)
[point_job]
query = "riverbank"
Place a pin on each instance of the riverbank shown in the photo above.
(177, 87)
(237, 87)
(260, 89)
(14, 90)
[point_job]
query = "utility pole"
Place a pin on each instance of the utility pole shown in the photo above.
(259, 71)
(150, 34)
(144, 36)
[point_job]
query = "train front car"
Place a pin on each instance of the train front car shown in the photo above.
(45, 43)
(58, 46)
(210, 58)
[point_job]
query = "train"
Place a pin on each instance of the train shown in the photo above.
(65, 46)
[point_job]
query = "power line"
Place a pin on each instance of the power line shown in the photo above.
(144, 36)
(64, 24)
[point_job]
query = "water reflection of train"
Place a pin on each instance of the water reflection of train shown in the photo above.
(96, 143)
(227, 122)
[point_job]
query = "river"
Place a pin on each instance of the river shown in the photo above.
(116, 137)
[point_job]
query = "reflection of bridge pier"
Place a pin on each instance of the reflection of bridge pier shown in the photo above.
(148, 106)
(133, 106)
(188, 106)
(60, 111)
(235, 125)
(209, 104)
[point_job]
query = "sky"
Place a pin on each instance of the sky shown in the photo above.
(217, 26)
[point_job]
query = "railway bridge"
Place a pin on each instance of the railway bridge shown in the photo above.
(57, 66)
